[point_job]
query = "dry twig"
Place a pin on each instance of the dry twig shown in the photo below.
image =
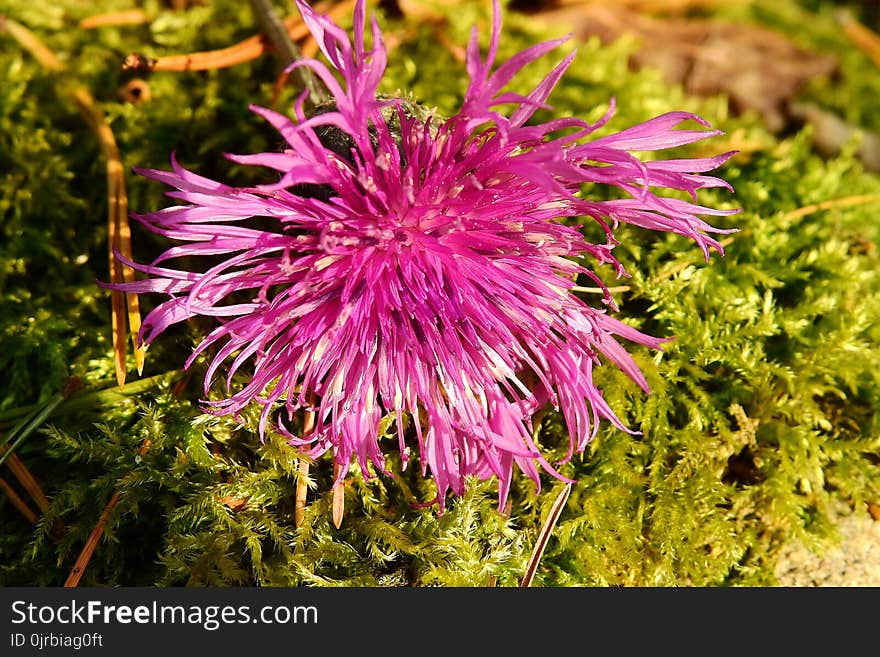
(119, 232)
(239, 53)
(27, 480)
(88, 550)
(85, 556)
(302, 485)
(842, 202)
(130, 17)
(17, 502)
(338, 498)
(864, 38)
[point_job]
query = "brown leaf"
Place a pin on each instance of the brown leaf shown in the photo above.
(234, 503)
(757, 68)
(831, 133)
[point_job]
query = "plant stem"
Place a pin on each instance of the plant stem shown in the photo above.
(274, 29)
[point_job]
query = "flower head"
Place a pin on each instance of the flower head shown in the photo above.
(417, 268)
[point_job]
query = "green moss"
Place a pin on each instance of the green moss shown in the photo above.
(762, 412)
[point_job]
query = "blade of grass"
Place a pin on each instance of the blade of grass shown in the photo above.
(842, 202)
(310, 46)
(11, 441)
(544, 535)
(276, 31)
(104, 397)
(26, 427)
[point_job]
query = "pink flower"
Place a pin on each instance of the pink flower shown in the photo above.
(417, 267)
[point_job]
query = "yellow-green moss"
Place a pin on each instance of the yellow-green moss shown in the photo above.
(763, 407)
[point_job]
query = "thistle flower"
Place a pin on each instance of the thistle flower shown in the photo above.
(416, 267)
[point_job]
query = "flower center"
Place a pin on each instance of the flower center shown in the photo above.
(384, 234)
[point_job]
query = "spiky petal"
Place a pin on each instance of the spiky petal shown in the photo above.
(432, 281)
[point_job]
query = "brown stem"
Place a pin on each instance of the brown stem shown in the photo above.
(119, 236)
(243, 51)
(302, 487)
(20, 471)
(28, 40)
(842, 202)
(302, 491)
(284, 46)
(130, 17)
(119, 232)
(544, 535)
(338, 493)
(309, 48)
(17, 502)
(863, 37)
(88, 550)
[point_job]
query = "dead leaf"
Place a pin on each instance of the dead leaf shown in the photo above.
(757, 68)
(831, 134)
(234, 503)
